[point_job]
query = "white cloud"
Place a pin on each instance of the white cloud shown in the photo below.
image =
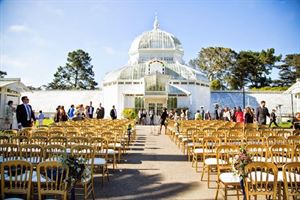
(18, 28)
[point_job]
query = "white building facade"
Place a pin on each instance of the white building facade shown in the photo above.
(156, 77)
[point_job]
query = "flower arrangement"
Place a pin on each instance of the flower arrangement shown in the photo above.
(78, 169)
(240, 161)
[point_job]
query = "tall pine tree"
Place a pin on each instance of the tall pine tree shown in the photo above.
(76, 74)
(289, 71)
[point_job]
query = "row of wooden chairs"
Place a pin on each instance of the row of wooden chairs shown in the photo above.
(261, 177)
(53, 182)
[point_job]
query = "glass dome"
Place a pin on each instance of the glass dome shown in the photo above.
(155, 39)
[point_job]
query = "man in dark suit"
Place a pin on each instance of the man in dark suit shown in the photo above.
(101, 112)
(113, 113)
(91, 110)
(25, 114)
(261, 113)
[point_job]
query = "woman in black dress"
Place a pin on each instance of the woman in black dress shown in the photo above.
(248, 116)
(163, 119)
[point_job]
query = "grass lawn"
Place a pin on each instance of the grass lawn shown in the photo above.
(45, 122)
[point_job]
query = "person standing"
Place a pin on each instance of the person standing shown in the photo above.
(57, 116)
(226, 114)
(63, 114)
(248, 116)
(273, 118)
(151, 115)
(198, 115)
(91, 110)
(25, 114)
(261, 113)
(296, 121)
(202, 112)
(9, 115)
(100, 112)
(207, 115)
(163, 119)
(239, 115)
(71, 112)
(113, 113)
(187, 113)
(41, 118)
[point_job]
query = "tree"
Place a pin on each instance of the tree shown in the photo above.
(2, 74)
(253, 69)
(216, 62)
(76, 74)
(289, 71)
(215, 85)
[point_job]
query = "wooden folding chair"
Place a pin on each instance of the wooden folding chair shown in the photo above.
(291, 180)
(226, 177)
(87, 153)
(16, 177)
(261, 180)
(52, 179)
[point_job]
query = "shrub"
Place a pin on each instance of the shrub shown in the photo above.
(129, 113)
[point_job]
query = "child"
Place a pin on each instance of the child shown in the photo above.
(41, 118)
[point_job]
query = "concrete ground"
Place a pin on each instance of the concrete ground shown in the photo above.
(154, 168)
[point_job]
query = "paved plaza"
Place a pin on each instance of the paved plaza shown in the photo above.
(154, 168)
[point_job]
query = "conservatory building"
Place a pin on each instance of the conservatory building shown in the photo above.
(156, 77)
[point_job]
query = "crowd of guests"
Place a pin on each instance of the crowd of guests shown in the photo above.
(26, 117)
(82, 112)
(247, 115)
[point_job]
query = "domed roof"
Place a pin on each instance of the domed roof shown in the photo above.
(155, 39)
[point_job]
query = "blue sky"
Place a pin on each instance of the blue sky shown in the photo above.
(36, 35)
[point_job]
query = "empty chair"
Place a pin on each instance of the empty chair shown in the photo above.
(20, 140)
(271, 140)
(9, 152)
(32, 153)
(16, 176)
(226, 177)
(258, 152)
(281, 154)
(210, 145)
(39, 140)
(261, 179)
(59, 140)
(52, 179)
(87, 153)
(4, 139)
(291, 180)
(54, 152)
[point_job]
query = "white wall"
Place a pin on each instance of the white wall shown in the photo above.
(47, 101)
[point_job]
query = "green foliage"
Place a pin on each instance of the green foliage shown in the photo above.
(2, 74)
(289, 71)
(269, 88)
(76, 74)
(216, 62)
(215, 85)
(252, 69)
(236, 70)
(129, 113)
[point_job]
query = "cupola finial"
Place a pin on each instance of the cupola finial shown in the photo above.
(155, 24)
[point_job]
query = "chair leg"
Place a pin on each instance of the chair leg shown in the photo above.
(208, 175)
(217, 191)
(203, 171)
